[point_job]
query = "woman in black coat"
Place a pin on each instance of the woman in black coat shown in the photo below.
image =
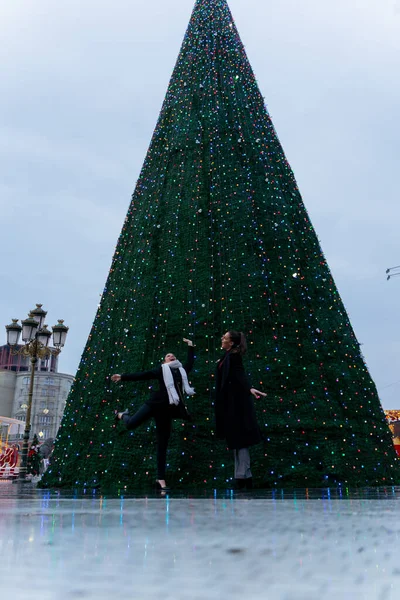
(234, 408)
(164, 404)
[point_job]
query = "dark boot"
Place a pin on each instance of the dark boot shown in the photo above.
(240, 484)
(116, 417)
(159, 487)
(249, 483)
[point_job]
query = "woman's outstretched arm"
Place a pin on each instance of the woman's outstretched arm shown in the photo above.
(241, 377)
(142, 376)
(188, 366)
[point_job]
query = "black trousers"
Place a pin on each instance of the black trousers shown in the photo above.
(163, 418)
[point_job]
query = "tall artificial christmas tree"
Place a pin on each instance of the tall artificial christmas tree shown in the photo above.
(217, 238)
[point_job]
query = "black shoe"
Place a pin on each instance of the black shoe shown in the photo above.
(249, 483)
(117, 418)
(240, 484)
(160, 488)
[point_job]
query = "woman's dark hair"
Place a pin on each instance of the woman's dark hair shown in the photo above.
(239, 342)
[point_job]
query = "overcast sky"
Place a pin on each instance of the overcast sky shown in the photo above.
(81, 87)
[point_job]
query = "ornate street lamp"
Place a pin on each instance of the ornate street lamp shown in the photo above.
(36, 338)
(29, 329)
(39, 314)
(59, 334)
(13, 332)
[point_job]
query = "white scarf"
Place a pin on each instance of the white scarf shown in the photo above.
(169, 381)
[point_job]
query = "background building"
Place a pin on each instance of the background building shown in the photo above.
(49, 394)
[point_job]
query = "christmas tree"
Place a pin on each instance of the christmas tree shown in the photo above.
(217, 238)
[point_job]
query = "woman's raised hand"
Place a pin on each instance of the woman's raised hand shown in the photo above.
(115, 378)
(188, 342)
(257, 394)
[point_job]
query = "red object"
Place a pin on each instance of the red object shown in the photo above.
(9, 459)
(397, 448)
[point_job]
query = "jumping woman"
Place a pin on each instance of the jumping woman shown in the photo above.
(164, 404)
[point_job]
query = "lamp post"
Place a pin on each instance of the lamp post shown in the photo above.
(36, 337)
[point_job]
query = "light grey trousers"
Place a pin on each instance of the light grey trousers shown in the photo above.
(242, 463)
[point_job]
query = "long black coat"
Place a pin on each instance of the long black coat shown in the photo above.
(234, 408)
(159, 398)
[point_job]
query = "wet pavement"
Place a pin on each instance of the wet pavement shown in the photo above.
(278, 545)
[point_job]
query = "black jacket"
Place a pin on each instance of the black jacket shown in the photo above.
(159, 398)
(234, 408)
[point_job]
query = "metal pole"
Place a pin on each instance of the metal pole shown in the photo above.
(24, 456)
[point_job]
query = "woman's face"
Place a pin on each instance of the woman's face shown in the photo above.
(226, 342)
(169, 357)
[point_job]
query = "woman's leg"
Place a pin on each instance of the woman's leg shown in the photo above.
(141, 416)
(163, 432)
(242, 464)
